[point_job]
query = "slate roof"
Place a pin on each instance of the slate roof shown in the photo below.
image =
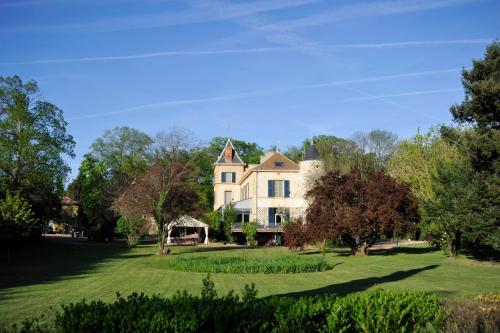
(311, 154)
(235, 157)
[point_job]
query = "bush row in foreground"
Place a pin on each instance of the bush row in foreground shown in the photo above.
(374, 311)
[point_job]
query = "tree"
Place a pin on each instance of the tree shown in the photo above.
(359, 209)
(16, 216)
(33, 139)
(296, 234)
(214, 220)
(228, 219)
(250, 230)
(382, 144)
(176, 144)
(294, 153)
(125, 151)
(481, 144)
(92, 189)
(451, 213)
(337, 154)
(130, 225)
(416, 163)
(481, 106)
(163, 193)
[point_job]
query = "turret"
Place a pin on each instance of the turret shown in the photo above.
(228, 170)
(311, 169)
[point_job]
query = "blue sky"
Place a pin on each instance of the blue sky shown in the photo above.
(269, 71)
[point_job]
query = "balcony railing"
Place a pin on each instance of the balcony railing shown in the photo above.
(260, 228)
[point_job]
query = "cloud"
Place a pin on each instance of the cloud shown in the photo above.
(173, 103)
(165, 54)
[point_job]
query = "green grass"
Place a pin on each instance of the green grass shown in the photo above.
(285, 264)
(53, 272)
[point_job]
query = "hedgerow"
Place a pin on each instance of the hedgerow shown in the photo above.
(374, 311)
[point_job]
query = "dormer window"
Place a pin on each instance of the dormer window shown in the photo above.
(279, 164)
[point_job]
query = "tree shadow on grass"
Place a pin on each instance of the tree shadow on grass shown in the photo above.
(403, 250)
(345, 288)
(56, 258)
(306, 253)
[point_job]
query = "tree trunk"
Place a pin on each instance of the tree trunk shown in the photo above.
(163, 240)
(361, 250)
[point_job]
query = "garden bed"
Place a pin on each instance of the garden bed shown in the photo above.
(239, 265)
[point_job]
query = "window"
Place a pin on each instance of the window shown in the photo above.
(278, 215)
(243, 217)
(228, 177)
(245, 192)
(278, 188)
(228, 197)
(278, 163)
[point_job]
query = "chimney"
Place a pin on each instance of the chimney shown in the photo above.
(228, 154)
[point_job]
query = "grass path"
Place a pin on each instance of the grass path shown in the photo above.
(54, 271)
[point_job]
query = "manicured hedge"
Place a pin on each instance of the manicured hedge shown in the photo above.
(375, 311)
(283, 265)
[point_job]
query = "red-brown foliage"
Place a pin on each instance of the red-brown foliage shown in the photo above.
(359, 208)
(295, 235)
(162, 193)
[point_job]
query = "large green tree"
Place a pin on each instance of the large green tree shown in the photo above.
(480, 109)
(116, 159)
(417, 162)
(481, 106)
(339, 154)
(92, 188)
(33, 140)
(125, 151)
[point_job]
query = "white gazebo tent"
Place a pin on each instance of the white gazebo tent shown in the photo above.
(186, 222)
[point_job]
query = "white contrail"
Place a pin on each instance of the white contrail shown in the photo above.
(146, 107)
(151, 55)
(247, 51)
(415, 43)
(370, 97)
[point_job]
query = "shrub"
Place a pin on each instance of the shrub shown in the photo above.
(250, 230)
(295, 235)
(283, 265)
(481, 315)
(376, 311)
(229, 218)
(130, 225)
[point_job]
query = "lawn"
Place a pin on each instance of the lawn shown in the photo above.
(54, 271)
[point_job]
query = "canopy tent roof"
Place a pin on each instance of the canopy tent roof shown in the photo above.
(188, 222)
